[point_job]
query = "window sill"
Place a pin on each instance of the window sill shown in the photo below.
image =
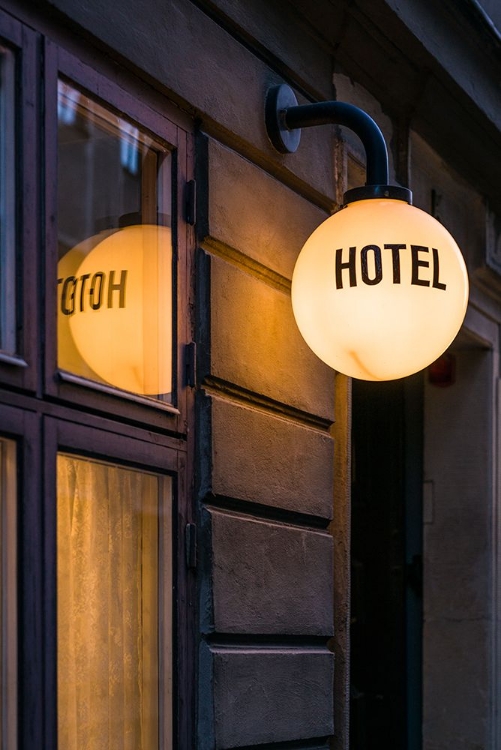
(12, 359)
(69, 377)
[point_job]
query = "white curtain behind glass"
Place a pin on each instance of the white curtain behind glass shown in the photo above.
(108, 607)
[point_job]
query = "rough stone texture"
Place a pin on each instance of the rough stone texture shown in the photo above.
(460, 55)
(458, 559)
(269, 578)
(290, 690)
(457, 205)
(289, 42)
(456, 704)
(470, 593)
(457, 459)
(265, 459)
(341, 532)
(348, 91)
(426, 59)
(209, 72)
(263, 353)
(256, 214)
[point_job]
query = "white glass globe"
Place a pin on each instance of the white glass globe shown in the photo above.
(379, 290)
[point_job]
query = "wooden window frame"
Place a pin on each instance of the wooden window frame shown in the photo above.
(104, 440)
(156, 116)
(45, 413)
(39, 437)
(22, 369)
(8, 535)
(23, 428)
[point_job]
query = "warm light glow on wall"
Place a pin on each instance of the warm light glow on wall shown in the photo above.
(116, 308)
(379, 290)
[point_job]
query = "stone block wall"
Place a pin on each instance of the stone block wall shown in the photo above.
(266, 470)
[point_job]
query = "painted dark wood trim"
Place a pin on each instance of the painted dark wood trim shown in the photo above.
(24, 428)
(59, 62)
(24, 42)
(44, 414)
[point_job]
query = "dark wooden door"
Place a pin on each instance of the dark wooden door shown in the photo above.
(386, 566)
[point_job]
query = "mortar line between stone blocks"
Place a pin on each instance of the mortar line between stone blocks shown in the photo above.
(259, 50)
(249, 649)
(315, 743)
(220, 388)
(281, 645)
(263, 513)
(246, 264)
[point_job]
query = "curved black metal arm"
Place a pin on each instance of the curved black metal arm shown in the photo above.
(284, 118)
(340, 113)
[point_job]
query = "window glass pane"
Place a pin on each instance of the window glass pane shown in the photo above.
(114, 607)
(7, 204)
(8, 672)
(115, 249)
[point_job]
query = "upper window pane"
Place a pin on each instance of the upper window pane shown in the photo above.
(115, 249)
(7, 204)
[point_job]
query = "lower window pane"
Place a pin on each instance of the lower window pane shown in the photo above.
(114, 607)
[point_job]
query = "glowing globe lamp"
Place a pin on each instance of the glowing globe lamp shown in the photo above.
(115, 311)
(379, 290)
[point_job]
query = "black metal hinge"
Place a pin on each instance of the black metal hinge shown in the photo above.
(190, 364)
(190, 202)
(414, 574)
(190, 540)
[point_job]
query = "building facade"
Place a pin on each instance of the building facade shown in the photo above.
(198, 516)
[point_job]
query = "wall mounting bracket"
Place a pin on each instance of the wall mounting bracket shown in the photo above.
(285, 118)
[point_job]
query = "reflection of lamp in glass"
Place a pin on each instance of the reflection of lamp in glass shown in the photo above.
(119, 305)
(380, 289)
(68, 356)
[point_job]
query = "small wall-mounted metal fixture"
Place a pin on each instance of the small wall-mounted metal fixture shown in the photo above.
(380, 289)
